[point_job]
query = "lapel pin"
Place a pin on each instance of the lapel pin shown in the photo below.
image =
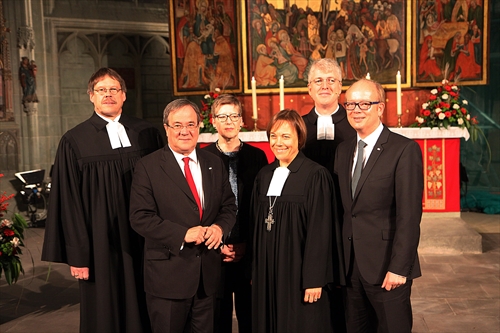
(209, 168)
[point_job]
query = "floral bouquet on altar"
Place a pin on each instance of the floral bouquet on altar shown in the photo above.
(11, 240)
(445, 108)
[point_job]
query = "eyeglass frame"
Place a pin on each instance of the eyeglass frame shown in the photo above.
(330, 81)
(358, 104)
(177, 128)
(228, 116)
(103, 91)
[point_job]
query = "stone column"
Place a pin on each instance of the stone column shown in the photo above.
(32, 135)
(27, 77)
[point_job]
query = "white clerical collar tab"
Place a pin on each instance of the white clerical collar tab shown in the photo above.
(325, 129)
(117, 135)
(278, 181)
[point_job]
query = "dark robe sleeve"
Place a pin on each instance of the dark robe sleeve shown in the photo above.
(317, 265)
(66, 236)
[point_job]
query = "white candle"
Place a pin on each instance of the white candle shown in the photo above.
(368, 76)
(254, 99)
(282, 93)
(398, 93)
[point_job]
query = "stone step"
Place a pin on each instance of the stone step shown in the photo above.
(447, 235)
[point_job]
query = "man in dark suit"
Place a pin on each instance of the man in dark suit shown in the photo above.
(182, 204)
(381, 215)
(327, 127)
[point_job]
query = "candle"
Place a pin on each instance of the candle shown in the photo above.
(398, 93)
(368, 76)
(282, 93)
(254, 99)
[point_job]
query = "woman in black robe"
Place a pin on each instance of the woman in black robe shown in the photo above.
(293, 222)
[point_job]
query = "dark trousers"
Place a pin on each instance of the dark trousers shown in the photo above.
(234, 282)
(337, 297)
(192, 315)
(373, 309)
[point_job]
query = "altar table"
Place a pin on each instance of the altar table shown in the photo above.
(441, 161)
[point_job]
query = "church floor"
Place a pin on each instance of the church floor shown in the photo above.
(457, 293)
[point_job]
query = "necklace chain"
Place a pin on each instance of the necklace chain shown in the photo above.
(220, 149)
(270, 219)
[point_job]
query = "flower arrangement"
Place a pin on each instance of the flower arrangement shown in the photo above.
(11, 240)
(207, 125)
(445, 108)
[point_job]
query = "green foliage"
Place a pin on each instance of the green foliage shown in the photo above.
(11, 241)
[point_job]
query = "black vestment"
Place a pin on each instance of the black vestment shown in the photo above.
(88, 222)
(297, 253)
(236, 276)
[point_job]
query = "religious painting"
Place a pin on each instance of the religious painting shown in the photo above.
(450, 42)
(364, 36)
(205, 46)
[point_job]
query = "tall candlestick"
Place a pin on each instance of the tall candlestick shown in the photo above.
(254, 99)
(282, 93)
(398, 93)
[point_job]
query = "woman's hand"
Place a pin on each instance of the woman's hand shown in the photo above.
(312, 295)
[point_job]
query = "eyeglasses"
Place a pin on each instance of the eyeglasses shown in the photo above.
(363, 106)
(103, 91)
(223, 117)
(179, 127)
(329, 81)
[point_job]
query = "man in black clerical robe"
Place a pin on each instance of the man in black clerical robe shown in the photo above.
(327, 127)
(88, 222)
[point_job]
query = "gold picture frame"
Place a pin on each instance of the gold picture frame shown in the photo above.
(205, 46)
(312, 36)
(450, 42)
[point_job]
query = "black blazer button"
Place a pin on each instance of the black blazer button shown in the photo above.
(349, 238)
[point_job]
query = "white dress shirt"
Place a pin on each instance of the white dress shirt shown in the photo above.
(194, 165)
(370, 141)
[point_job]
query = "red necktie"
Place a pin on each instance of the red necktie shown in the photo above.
(192, 186)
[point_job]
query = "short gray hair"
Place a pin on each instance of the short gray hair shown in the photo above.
(327, 65)
(179, 104)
